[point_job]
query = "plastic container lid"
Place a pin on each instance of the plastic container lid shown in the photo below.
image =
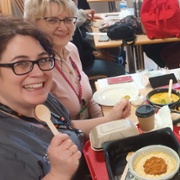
(111, 131)
(145, 110)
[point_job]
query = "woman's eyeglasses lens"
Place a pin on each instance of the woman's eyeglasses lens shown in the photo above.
(54, 22)
(26, 66)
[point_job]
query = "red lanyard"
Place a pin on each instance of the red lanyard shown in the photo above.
(79, 94)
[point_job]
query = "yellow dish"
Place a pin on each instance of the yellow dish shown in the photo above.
(162, 98)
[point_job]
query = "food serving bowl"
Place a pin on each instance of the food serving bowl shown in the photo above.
(159, 97)
(149, 162)
(175, 112)
(175, 107)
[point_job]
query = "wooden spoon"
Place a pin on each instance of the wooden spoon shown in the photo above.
(43, 113)
(170, 88)
(123, 176)
(168, 98)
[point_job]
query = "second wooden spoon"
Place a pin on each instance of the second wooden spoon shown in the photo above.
(123, 176)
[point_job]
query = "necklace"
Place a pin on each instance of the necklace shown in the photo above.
(79, 93)
(21, 116)
(58, 121)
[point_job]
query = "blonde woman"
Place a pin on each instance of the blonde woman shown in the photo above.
(57, 18)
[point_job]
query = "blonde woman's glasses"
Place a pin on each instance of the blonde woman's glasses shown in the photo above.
(54, 22)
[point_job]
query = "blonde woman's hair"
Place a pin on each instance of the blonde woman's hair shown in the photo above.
(34, 9)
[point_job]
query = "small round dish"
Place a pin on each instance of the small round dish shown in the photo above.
(160, 100)
(175, 107)
(148, 162)
(175, 112)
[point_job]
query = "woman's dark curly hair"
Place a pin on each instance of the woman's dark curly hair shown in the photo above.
(12, 26)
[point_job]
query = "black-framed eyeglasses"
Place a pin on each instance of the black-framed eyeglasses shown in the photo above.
(54, 21)
(25, 66)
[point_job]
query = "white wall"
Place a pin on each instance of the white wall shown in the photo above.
(102, 7)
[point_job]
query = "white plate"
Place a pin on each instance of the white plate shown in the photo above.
(111, 95)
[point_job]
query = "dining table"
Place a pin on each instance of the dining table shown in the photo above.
(135, 55)
(95, 159)
(139, 81)
(111, 4)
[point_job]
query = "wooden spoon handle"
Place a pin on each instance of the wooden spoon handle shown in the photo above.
(123, 176)
(170, 87)
(52, 127)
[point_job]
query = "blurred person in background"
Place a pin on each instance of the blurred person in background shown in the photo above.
(94, 61)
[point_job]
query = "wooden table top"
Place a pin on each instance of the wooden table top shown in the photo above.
(132, 117)
(140, 40)
(89, 1)
(142, 91)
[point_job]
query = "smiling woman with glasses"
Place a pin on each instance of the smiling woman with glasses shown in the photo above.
(26, 63)
(28, 148)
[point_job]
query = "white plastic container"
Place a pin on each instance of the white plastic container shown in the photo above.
(111, 131)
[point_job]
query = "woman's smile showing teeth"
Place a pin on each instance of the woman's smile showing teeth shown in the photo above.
(33, 86)
(61, 35)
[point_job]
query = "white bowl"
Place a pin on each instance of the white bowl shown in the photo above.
(159, 151)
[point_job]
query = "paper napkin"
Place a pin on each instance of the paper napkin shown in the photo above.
(163, 118)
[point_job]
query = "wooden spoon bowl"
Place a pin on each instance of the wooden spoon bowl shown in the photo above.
(43, 113)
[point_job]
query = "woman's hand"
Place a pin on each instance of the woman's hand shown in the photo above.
(120, 111)
(103, 55)
(90, 13)
(64, 157)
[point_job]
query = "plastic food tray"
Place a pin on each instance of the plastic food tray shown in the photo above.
(116, 152)
(97, 164)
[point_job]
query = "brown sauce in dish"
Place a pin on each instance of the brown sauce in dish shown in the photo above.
(155, 166)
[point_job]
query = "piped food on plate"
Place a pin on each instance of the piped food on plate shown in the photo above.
(126, 97)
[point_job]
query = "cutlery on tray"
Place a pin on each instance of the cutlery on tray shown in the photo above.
(123, 177)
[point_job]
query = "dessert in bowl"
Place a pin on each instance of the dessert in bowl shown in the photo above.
(157, 162)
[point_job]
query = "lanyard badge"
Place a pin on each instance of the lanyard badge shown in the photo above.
(83, 114)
